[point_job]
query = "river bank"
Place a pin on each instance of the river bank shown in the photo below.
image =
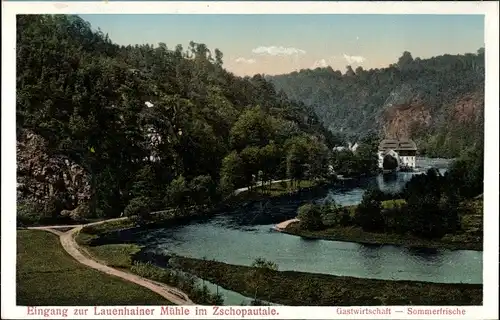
(282, 287)
(356, 234)
(312, 289)
(469, 238)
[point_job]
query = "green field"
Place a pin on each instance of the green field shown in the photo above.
(47, 275)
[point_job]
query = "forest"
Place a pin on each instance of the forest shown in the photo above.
(108, 129)
(437, 102)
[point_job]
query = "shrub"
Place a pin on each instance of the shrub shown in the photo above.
(368, 213)
(310, 217)
(139, 206)
(27, 213)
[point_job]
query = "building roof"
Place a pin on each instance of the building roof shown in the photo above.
(397, 145)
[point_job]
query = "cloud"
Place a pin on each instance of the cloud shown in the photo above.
(322, 63)
(278, 51)
(247, 61)
(354, 59)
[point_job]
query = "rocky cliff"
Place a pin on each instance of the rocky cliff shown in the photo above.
(52, 184)
(403, 120)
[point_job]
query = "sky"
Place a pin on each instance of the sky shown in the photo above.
(276, 44)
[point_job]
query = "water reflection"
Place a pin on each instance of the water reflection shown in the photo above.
(429, 254)
(371, 258)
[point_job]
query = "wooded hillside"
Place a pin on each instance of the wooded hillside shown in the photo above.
(105, 128)
(438, 102)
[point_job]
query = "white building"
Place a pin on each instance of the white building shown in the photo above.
(403, 150)
(350, 147)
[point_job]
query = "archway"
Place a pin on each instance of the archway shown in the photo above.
(390, 161)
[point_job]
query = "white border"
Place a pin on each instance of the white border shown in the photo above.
(489, 9)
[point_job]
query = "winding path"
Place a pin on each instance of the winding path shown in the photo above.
(69, 244)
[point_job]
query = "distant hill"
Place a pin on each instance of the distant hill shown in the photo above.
(438, 102)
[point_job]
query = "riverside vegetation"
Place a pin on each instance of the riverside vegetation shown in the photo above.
(433, 210)
(105, 130)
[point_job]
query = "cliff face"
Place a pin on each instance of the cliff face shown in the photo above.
(53, 183)
(463, 118)
(398, 122)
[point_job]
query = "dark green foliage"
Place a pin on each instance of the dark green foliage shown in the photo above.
(334, 215)
(362, 161)
(293, 288)
(140, 206)
(310, 217)
(467, 173)
(354, 103)
(368, 213)
(197, 292)
(138, 118)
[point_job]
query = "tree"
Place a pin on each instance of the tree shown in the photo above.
(139, 207)
(405, 60)
(253, 128)
(297, 158)
(366, 154)
(232, 172)
(270, 156)
(261, 271)
(349, 72)
(425, 216)
(251, 160)
(310, 217)
(368, 213)
(201, 190)
(177, 194)
(318, 156)
(145, 185)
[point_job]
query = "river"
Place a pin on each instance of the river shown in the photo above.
(242, 236)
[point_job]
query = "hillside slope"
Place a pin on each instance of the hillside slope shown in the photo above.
(438, 102)
(143, 127)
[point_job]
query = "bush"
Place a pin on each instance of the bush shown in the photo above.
(425, 216)
(185, 282)
(333, 215)
(27, 213)
(139, 206)
(310, 217)
(368, 213)
(396, 217)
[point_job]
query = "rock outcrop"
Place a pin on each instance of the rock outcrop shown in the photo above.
(411, 118)
(50, 181)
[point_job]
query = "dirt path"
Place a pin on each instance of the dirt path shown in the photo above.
(69, 244)
(258, 184)
(282, 225)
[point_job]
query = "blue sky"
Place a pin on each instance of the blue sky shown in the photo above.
(274, 44)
